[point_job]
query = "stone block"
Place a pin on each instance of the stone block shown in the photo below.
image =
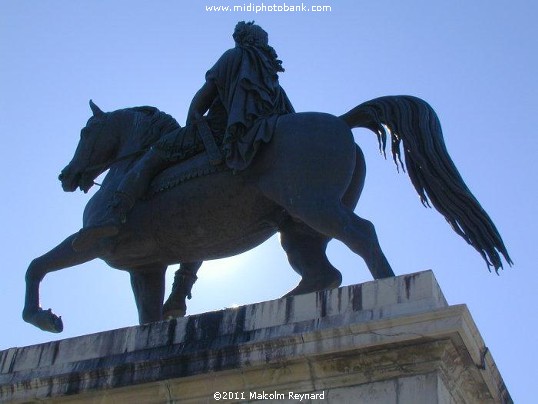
(392, 340)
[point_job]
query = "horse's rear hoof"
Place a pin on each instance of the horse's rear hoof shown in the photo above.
(317, 285)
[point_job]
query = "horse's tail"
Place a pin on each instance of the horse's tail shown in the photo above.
(435, 177)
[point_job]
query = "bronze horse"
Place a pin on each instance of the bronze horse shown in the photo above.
(304, 184)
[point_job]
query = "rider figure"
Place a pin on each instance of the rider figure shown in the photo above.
(243, 100)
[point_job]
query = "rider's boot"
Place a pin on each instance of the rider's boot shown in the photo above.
(115, 216)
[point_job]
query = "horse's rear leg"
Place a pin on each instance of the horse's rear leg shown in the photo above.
(184, 279)
(306, 254)
(148, 289)
(337, 221)
(60, 257)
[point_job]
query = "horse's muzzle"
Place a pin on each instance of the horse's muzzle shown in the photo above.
(68, 180)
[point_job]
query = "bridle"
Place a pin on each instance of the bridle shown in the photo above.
(103, 166)
(108, 164)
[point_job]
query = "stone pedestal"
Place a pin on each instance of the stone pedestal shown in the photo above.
(388, 341)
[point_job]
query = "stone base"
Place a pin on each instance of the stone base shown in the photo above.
(389, 341)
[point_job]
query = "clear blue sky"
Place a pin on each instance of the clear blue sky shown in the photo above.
(475, 62)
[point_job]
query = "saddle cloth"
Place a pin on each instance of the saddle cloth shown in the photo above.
(194, 167)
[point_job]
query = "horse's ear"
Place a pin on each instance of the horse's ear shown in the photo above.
(95, 109)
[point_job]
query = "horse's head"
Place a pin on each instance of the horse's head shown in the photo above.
(97, 146)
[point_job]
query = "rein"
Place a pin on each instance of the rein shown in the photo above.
(103, 166)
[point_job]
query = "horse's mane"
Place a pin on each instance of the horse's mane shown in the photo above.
(156, 124)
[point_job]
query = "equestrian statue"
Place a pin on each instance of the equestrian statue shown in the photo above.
(245, 167)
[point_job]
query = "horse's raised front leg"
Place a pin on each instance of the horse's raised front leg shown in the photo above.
(148, 289)
(60, 257)
(184, 278)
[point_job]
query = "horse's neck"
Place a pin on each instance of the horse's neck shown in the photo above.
(131, 129)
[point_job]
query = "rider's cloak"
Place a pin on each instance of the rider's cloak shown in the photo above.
(250, 93)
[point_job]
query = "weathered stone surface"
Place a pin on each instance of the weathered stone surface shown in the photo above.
(392, 340)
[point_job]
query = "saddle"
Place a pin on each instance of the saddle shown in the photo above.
(207, 161)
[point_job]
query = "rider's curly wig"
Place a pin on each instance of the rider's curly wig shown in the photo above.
(250, 34)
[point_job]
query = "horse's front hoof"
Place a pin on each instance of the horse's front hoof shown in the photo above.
(45, 320)
(169, 311)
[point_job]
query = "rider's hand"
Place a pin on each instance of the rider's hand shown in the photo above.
(201, 102)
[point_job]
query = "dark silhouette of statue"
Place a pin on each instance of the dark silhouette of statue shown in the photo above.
(244, 99)
(233, 177)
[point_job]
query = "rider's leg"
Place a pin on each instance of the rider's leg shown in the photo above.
(132, 187)
(171, 149)
(135, 184)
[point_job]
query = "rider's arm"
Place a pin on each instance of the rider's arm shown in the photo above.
(202, 101)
